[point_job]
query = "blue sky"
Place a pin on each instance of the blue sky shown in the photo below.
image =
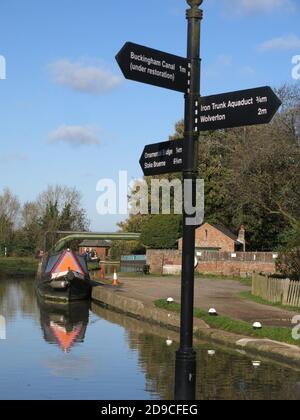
(68, 116)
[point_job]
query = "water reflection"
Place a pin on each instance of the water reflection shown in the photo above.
(72, 352)
(64, 324)
(223, 374)
(17, 297)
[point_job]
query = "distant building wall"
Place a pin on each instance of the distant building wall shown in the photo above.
(157, 259)
(223, 263)
(207, 236)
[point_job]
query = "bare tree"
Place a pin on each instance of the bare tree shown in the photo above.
(9, 211)
(30, 213)
(60, 209)
(60, 195)
(288, 119)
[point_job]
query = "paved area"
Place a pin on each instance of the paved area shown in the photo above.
(220, 294)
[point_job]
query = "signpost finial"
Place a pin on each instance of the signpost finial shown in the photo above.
(194, 3)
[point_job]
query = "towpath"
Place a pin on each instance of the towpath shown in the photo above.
(223, 295)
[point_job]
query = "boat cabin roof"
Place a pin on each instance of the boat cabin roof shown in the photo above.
(62, 262)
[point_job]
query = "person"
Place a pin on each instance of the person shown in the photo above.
(41, 254)
(87, 254)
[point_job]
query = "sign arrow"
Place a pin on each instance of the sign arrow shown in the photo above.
(237, 109)
(162, 158)
(154, 67)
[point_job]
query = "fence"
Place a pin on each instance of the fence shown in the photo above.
(274, 290)
(248, 257)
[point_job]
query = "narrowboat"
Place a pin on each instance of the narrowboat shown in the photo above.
(64, 277)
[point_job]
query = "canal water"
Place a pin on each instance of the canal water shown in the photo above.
(85, 352)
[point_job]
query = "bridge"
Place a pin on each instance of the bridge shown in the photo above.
(81, 236)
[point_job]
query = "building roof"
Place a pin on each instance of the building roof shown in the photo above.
(225, 231)
(90, 243)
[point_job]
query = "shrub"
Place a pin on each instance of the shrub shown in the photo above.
(289, 263)
(161, 232)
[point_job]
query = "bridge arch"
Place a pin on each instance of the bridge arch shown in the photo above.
(81, 236)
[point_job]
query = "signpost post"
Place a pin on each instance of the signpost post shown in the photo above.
(157, 68)
(228, 110)
(185, 375)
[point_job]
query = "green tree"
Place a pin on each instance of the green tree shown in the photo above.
(161, 232)
(251, 175)
(265, 182)
(56, 209)
(133, 224)
(28, 238)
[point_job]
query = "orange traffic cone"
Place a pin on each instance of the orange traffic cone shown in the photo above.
(101, 273)
(115, 279)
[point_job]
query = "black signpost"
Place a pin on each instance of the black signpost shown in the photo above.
(185, 370)
(238, 109)
(154, 67)
(235, 109)
(162, 158)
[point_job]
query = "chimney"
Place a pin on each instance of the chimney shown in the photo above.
(242, 237)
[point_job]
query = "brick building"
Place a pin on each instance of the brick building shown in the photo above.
(218, 251)
(216, 238)
(102, 248)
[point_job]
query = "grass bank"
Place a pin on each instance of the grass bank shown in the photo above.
(257, 299)
(225, 323)
(18, 267)
(246, 281)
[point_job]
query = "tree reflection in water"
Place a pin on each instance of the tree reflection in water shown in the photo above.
(18, 297)
(228, 375)
(224, 374)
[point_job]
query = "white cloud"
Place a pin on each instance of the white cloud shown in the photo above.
(224, 60)
(215, 69)
(290, 42)
(82, 77)
(226, 67)
(247, 71)
(75, 135)
(258, 6)
(12, 157)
